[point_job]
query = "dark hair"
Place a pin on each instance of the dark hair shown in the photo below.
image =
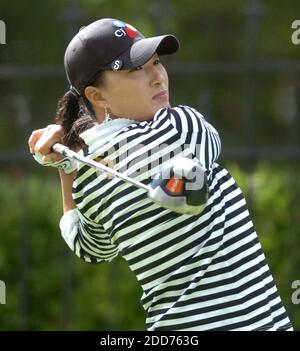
(76, 115)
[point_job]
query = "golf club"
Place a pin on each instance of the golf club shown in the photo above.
(172, 188)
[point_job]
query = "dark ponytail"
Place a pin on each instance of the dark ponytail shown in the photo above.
(75, 114)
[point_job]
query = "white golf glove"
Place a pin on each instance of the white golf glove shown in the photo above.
(66, 164)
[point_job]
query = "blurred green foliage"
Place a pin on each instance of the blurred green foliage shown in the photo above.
(48, 288)
(99, 297)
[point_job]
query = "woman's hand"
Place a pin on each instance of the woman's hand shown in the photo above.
(40, 143)
(41, 140)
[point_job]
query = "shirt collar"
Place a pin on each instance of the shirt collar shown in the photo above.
(104, 131)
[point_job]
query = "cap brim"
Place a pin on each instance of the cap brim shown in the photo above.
(142, 50)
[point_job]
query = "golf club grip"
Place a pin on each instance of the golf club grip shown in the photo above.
(59, 149)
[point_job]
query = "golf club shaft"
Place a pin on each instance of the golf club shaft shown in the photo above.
(65, 151)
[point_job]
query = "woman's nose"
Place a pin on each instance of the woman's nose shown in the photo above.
(156, 77)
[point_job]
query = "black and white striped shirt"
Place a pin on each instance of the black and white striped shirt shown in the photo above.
(204, 272)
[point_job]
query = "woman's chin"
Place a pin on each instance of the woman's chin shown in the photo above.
(162, 104)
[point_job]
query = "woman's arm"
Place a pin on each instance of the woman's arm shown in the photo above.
(87, 239)
(41, 141)
(196, 134)
(66, 181)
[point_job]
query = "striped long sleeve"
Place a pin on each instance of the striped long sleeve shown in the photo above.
(88, 240)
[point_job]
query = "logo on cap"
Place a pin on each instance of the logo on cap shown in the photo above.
(116, 65)
(124, 30)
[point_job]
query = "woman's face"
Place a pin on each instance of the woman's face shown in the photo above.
(139, 93)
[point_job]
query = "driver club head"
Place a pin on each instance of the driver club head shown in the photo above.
(180, 186)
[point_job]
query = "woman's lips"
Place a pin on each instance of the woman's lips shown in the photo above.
(161, 95)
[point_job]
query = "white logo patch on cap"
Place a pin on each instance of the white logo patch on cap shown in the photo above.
(120, 33)
(124, 30)
(116, 65)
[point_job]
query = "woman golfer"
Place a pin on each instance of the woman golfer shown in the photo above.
(197, 272)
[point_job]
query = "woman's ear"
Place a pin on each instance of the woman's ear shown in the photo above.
(95, 97)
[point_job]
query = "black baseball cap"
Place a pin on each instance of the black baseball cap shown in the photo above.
(110, 44)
